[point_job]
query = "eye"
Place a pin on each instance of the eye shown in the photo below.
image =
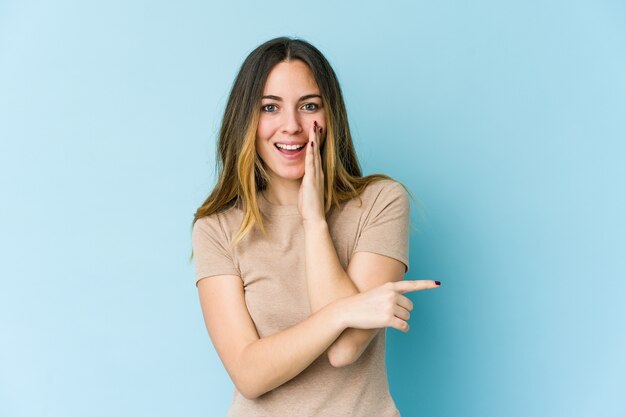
(264, 108)
(315, 106)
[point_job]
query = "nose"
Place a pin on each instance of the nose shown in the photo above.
(291, 124)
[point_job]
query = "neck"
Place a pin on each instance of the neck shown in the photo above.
(283, 192)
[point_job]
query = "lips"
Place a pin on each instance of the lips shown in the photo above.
(290, 143)
(291, 153)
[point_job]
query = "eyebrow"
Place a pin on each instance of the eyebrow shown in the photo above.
(308, 96)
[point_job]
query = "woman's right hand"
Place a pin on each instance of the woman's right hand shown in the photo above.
(382, 306)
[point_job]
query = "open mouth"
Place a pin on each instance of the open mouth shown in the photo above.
(291, 151)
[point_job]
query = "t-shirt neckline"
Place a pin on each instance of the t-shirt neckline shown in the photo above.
(276, 209)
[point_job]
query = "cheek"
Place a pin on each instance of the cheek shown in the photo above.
(262, 144)
(262, 149)
(265, 130)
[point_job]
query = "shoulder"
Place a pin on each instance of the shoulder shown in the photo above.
(217, 224)
(385, 185)
(378, 195)
(385, 190)
(206, 229)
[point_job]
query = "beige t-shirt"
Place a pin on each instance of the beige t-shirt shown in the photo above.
(274, 279)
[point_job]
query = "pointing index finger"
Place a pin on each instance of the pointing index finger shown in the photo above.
(416, 285)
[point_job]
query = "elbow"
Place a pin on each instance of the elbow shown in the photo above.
(248, 395)
(248, 386)
(247, 390)
(340, 356)
(245, 379)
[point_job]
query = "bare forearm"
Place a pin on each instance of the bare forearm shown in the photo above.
(350, 345)
(271, 361)
(327, 282)
(326, 279)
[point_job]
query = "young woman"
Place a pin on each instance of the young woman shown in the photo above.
(299, 257)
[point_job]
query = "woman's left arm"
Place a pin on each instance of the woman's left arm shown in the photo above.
(328, 281)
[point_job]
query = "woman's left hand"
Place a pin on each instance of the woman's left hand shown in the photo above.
(311, 195)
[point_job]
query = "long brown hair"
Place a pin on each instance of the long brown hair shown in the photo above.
(241, 173)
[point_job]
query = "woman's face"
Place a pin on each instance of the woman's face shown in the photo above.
(291, 103)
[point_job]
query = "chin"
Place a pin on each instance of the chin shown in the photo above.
(291, 175)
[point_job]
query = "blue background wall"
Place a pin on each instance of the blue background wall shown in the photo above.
(506, 119)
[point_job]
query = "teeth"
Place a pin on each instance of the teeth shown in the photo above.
(290, 147)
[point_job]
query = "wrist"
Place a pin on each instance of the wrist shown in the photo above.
(315, 224)
(337, 312)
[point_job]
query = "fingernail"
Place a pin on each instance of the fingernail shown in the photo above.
(437, 282)
(320, 130)
(311, 144)
(315, 123)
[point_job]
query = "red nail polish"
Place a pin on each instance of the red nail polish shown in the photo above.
(315, 123)
(437, 282)
(321, 130)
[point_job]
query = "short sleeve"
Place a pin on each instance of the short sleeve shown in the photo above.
(210, 249)
(386, 227)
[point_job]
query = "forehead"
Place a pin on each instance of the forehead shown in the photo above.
(291, 77)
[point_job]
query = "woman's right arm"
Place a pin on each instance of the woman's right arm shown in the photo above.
(258, 365)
